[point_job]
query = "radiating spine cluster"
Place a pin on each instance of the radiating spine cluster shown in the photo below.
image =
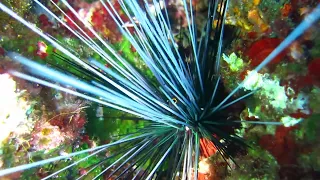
(175, 128)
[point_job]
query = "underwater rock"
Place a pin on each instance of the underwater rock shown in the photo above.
(256, 164)
(46, 137)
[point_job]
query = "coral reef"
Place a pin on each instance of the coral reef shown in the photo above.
(37, 122)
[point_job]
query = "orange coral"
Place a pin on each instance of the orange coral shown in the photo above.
(207, 148)
(286, 10)
(256, 2)
(255, 18)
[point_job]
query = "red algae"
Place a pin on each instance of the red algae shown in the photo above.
(2, 52)
(86, 139)
(70, 18)
(41, 50)
(103, 22)
(260, 49)
(44, 21)
(83, 171)
(282, 145)
(310, 79)
(299, 114)
(314, 69)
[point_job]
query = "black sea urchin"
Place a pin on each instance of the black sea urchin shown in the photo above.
(170, 79)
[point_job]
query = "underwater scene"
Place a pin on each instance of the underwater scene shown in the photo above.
(159, 89)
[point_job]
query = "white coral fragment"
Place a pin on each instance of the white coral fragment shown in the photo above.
(269, 88)
(13, 109)
(271, 92)
(290, 121)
